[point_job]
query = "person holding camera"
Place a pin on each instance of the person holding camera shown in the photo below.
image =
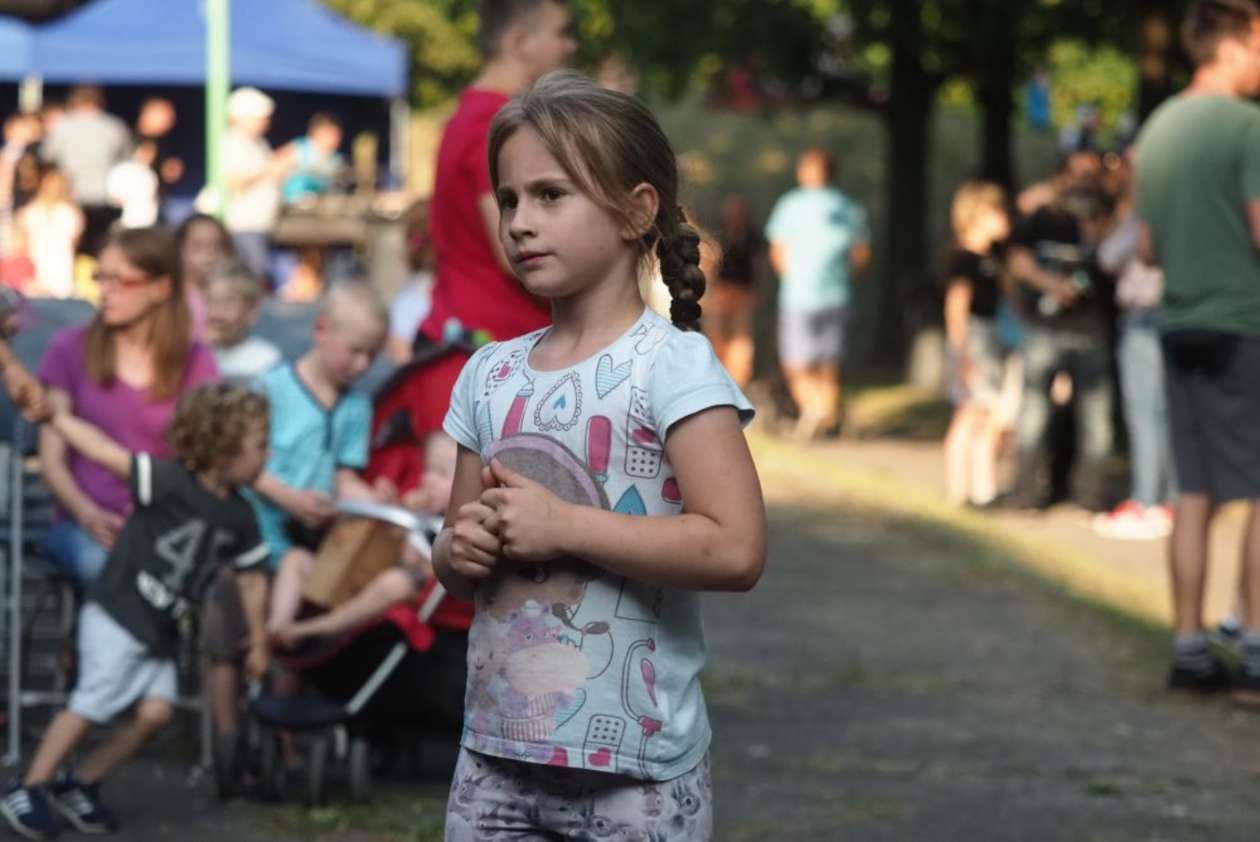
(1059, 294)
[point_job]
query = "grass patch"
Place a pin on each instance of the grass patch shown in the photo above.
(392, 816)
(1136, 607)
(898, 411)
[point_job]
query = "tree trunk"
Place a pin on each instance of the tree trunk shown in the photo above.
(998, 108)
(904, 296)
(995, 70)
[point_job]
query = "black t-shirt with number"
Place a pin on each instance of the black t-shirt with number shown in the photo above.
(983, 272)
(169, 550)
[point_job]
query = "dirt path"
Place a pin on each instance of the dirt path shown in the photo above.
(890, 680)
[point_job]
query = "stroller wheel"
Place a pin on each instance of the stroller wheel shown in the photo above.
(360, 762)
(317, 768)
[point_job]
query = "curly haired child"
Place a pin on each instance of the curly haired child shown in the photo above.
(188, 518)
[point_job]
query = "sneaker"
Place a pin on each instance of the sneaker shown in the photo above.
(27, 811)
(1216, 680)
(1229, 631)
(1131, 521)
(81, 805)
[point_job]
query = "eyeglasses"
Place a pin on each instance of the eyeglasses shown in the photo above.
(114, 279)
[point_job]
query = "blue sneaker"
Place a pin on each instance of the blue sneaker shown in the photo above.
(27, 811)
(81, 805)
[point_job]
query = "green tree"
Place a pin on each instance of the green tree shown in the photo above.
(440, 35)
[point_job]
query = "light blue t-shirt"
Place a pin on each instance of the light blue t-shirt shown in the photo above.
(308, 445)
(819, 226)
(569, 665)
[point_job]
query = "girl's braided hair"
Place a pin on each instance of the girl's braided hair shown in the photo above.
(609, 143)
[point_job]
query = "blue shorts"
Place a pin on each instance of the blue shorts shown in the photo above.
(812, 337)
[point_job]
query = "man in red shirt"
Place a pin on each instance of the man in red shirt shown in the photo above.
(474, 288)
(522, 40)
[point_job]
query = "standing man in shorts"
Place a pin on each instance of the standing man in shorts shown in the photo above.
(819, 242)
(1198, 195)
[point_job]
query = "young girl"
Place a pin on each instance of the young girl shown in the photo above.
(973, 290)
(203, 242)
(188, 518)
(567, 525)
(48, 231)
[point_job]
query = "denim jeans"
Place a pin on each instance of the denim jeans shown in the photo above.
(1141, 363)
(1085, 357)
(76, 552)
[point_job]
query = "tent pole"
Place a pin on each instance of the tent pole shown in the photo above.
(31, 94)
(399, 142)
(217, 83)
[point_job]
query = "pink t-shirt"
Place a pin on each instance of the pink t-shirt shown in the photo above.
(127, 415)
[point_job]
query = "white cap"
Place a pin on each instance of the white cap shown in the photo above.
(245, 103)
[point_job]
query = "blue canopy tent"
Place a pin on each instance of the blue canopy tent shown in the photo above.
(294, 46)
(16, 48)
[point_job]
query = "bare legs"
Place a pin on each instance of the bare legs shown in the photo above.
(286, 590)
(729, 326)
(391, 587)
(1187, 560)
(971, 447)
(816, 390)
(68, 729)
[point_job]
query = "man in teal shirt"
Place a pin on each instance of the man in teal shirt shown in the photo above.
(818, 242)
(1198, 195)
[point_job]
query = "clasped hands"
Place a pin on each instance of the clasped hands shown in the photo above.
(514, 518)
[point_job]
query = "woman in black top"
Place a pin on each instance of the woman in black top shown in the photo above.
(973, 287)
(728, 309)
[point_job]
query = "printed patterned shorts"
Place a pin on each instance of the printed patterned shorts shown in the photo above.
(493, 798)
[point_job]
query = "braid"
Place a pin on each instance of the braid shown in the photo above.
(679, 254)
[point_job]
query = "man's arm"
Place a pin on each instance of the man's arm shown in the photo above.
(1253, 220)
(778, 257)
(860, 258)
(1146, 241)
(1024, 268)
(489, 209)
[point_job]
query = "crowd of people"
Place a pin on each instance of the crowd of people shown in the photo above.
(1141, 262)
(69, 173)
(1045, 299)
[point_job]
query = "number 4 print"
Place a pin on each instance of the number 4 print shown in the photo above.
(179, 548)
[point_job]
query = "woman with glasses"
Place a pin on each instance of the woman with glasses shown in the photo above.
(122, 372)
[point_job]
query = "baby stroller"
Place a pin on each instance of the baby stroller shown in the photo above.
(363, 684)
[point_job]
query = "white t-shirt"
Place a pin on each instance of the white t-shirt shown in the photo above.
(133, 187)
(570, 665)
(410, 306)
(246, 361)
(254, 209)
